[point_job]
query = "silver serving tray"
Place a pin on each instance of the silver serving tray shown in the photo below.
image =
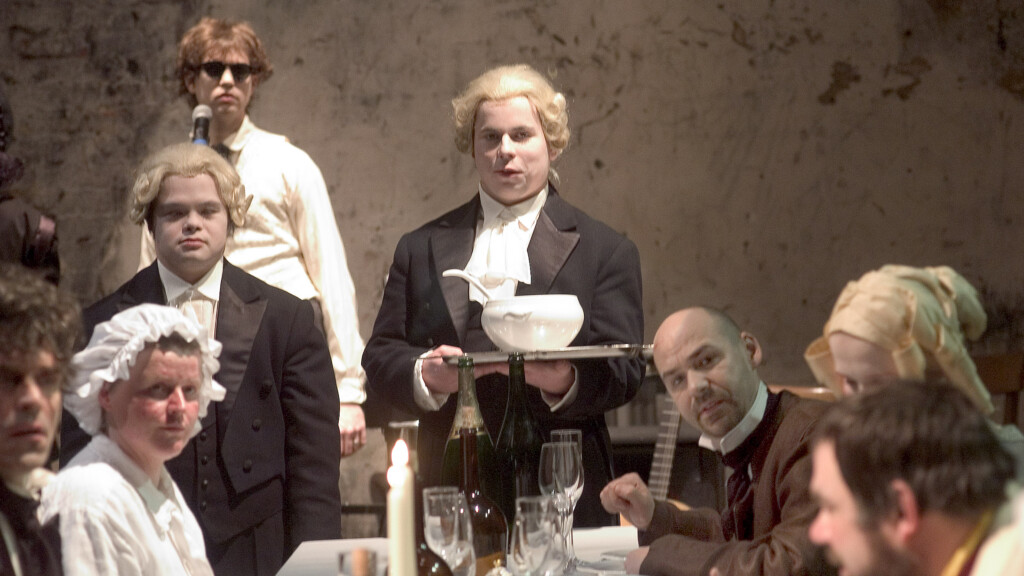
(569, 353)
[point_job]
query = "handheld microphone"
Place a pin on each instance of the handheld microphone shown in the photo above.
(201, 116)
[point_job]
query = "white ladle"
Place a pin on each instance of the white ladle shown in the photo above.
(471, 279)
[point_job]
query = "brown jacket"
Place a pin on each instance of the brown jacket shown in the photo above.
(690, 543)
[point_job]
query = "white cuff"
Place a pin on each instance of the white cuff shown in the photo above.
(351, 391)
(556, 403)
(424, 397)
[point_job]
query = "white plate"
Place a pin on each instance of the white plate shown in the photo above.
(616, 554)
(570, 353)
(603, 567)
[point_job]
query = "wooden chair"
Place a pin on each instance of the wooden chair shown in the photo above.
(1003, 375)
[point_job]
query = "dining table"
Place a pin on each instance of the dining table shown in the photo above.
(602, 552)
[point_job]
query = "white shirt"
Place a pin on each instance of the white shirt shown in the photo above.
(290, 240)
(500, 258)
(113, 520)
(733, 438)
(198, 301)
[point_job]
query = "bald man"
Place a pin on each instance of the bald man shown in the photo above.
(709, 367)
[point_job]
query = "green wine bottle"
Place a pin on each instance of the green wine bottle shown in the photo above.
(519, 442)
(467, 415)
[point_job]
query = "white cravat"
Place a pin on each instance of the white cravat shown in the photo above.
(197, 307)
(500, 258)
(196, 301)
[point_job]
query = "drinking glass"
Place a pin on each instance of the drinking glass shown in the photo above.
(447, 528)
(535, 548)
(576, 437)
(560, 474)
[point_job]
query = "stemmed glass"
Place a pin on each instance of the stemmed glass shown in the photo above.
(576, 437)
(447, 528)
(535, 548)
(561, 475)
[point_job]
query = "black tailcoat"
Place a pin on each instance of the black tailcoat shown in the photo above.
(570, 253)
(262, 476)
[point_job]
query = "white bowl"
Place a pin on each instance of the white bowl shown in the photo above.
(531, 323)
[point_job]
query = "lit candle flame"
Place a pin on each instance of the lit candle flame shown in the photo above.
(399, 463)
(400, 454)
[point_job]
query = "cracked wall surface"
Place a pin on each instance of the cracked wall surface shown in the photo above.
(759, 154)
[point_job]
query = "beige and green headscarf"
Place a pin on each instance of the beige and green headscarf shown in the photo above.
(916, 313)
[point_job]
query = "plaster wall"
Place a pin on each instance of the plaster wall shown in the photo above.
(760, 153)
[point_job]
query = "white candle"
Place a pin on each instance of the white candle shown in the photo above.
(401, 508)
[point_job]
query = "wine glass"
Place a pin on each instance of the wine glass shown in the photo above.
(535, 548)
(447, 528)
(576, 437)
(559, 476)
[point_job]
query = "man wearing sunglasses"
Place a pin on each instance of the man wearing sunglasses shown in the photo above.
(290, 239)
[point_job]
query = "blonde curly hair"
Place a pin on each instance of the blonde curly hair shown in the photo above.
(503, 83)
(187, 160)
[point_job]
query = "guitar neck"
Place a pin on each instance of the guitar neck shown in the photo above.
(664, 450)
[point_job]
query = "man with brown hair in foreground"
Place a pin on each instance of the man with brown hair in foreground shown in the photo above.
(38, 329)
(908, 480)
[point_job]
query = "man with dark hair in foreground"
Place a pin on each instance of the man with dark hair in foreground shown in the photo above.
(908, 481)
(38, 329)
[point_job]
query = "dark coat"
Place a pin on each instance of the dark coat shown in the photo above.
(38, 546)
(29, 237)
(570, 253)
(778, 510)
(262, 476)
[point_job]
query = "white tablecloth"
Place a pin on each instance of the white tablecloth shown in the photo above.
(320, 557)
(602, 551)
(602, 548)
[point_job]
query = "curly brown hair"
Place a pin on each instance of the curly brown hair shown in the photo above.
(928, 434)
(215, 38)
(36, 316)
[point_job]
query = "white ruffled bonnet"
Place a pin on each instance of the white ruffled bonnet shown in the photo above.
(116, 344)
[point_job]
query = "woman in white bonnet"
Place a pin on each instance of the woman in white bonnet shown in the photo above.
(905, 323)
(140, 389)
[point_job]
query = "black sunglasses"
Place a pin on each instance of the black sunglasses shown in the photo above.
(215, 69)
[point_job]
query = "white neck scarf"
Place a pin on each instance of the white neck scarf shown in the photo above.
(197, 301)
(500, 257)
